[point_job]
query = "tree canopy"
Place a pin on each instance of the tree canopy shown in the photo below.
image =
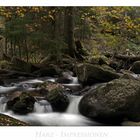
(34, 32)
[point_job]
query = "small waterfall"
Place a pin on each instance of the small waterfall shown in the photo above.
(2, 104)
(75, 80)
(42, 106)
(43, 114)
(73, 106)
(70, 118)
(74, 85)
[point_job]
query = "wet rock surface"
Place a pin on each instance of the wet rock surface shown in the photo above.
(89, 74)
(58, 99)
(107, 103)
(21, 105)
(113, 101)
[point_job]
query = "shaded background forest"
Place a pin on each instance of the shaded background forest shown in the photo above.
(32, 33)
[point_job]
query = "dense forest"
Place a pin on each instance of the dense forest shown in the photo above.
(80, 60)
(32, 33)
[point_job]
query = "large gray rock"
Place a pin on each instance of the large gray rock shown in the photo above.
(89, 74)
(113, 101)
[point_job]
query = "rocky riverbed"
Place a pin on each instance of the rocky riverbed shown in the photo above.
(99, 95)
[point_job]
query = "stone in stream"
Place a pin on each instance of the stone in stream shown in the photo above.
(113, 101)
(64, 80)
(58, 100)
(55, 94)
(21, 105)
(89, 74)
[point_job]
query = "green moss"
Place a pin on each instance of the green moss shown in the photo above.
(54, 93)
(5, 64)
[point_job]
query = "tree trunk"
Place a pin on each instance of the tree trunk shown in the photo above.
(26, 50)
(11, 45)
(6, 50)
(69, 29)
(58, 25)
(14, 48)
(19, 49)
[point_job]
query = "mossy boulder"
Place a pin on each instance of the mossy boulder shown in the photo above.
(23, 66)
(107, 67)
(136, 67)
(48, 86)
(21, 105)
(99, 60)
(89, 74)
(58, 99)
(113, 101)
(49, 70)
(5, 65)
(18, 65)
(56, 64)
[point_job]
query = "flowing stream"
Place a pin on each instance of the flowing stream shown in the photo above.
(43, 114)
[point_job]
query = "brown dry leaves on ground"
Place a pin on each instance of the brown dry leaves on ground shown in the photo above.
(9, 121)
